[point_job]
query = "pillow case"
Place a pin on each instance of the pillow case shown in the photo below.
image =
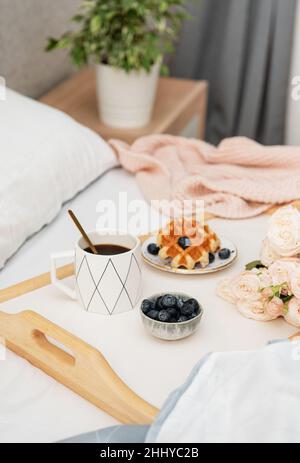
(45, 159)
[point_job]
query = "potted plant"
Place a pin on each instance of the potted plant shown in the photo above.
(127, 40)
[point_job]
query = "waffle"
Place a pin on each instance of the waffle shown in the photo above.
(202, 241)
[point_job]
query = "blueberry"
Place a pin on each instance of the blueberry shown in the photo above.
(224, 253)
(153, 249)
(211, 258)
(163, 316)
(173, 320)
(180, 303)
(158, 303)
(147, 305)
(193, 315)
(187, 309)
(172, 312)
(168, 301)
(184, 242)
(153, 314)
(182, 318)
(194, 303)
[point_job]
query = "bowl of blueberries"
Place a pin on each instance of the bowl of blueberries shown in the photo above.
(171, 316)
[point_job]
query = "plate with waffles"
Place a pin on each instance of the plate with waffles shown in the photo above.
(188, 247)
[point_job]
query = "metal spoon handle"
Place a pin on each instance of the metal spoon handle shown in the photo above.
(82, 231)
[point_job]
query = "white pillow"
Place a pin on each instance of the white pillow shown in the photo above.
(45, 159)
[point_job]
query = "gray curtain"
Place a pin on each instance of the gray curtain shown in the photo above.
(243, 48)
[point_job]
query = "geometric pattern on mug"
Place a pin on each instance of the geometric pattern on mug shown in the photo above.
(95, 294)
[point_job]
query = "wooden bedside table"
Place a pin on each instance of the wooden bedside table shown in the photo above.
(177, 102)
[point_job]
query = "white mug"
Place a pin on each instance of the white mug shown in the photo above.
(105, 284)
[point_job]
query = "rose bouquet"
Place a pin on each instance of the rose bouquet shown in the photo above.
(283, 237)
(270, 288)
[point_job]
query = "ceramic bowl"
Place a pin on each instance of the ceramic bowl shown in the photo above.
(171, 331)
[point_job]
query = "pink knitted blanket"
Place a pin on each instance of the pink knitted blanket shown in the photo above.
(240, 178)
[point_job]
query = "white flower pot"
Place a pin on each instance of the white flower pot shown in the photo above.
(126, 100)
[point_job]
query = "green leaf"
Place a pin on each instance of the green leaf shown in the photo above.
(64, 42)
(285, 309)
(77, 18)
(255, 264)
(286, 299)
(164, 70)
(95, 24)
(51, 45)
(88, 4)
(78, 55)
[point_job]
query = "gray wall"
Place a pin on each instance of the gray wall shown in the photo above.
(24, 27)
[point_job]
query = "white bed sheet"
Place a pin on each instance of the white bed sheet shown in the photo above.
(35, 408)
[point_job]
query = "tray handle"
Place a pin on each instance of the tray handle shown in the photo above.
(75, 364)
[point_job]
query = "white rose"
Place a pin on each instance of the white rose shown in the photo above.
(224, 290)
(264, 277)
(246, 286)
(267, 253)
(293, 314)
(284, 231)
(282, 270)
(255, 309)
(295, 282)
(275, 307)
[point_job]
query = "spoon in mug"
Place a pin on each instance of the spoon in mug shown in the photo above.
(82, 231)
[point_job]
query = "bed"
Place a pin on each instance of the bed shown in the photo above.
(35, 408)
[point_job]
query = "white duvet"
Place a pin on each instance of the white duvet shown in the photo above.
(238, 397)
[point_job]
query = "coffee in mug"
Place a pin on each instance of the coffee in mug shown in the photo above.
(109, 282)
(108, 249)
